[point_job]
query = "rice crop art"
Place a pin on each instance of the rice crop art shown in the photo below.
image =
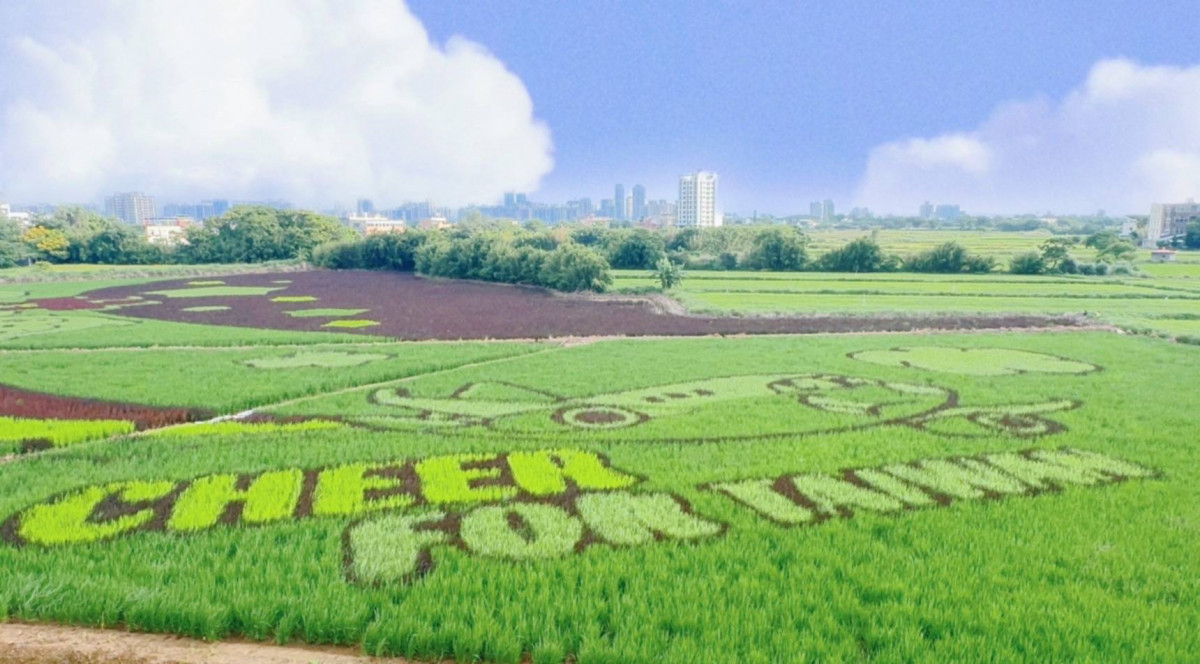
(926, 498)
(526, 506)
(819, 403)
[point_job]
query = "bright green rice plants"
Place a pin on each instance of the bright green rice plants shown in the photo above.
(294, 298)
(351, 324)
(32, 433)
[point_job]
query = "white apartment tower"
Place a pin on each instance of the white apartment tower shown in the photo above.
(698, 200)
(131, 208)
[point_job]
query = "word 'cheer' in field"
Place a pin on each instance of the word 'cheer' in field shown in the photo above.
(110, 510)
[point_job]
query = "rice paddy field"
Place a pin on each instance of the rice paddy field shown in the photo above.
(1160, 298)
(961, 496)
(1001, 244)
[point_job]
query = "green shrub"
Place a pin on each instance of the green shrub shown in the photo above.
(638, 249)
(861, 255)
(1027, 263)
(778, 249)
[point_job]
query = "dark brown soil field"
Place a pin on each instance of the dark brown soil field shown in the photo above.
(414, 308)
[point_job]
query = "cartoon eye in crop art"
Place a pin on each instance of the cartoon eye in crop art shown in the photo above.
(599, 417)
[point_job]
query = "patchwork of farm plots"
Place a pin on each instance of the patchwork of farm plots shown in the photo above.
(1168, 304)
(784, 498)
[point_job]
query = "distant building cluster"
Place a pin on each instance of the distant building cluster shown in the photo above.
(1169, 221)
(200, 211)
(941, 212)
(821, 210)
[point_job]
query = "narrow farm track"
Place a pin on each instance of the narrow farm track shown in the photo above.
(47, 644)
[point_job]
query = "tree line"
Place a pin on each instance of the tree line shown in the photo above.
(245, 234)
(571, 258)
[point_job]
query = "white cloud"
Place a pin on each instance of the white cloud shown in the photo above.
(312, 100)
(1129, 136)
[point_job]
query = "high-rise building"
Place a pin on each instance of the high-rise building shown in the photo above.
(814, 209)
(606, 208)
(1169, 220)
(130, 207)
(947, 212)
(698, 200)
(510, 199)
(365, 207)
(827, 210)
(639, 201)
(619, 202)
(927, 210)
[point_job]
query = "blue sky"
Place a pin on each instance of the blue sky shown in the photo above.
(787, 99)
(1065, 106)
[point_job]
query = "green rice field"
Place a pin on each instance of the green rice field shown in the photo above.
(1162, 298)
(990, 496)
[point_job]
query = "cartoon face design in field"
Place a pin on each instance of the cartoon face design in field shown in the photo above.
(793, 403)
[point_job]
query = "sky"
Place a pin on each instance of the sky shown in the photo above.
(1067, 107)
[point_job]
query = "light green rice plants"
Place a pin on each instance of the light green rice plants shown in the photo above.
(214, 291)
(974, 361)
(294, 298)
(326, 359)
(234, 427)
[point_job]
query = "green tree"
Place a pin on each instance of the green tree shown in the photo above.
(13, 250)
(860, 255)
(779, 249)
(1102, 240)
(1027, 263)
(1056, 252)
(1191, 240)
(574, 268)
(667, 273)
(1117, 251)
(947, 258)
(252, 234)
(638, 249)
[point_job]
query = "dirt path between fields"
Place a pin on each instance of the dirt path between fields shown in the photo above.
(55, 644)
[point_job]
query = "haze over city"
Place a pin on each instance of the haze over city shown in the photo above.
(459, 103)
